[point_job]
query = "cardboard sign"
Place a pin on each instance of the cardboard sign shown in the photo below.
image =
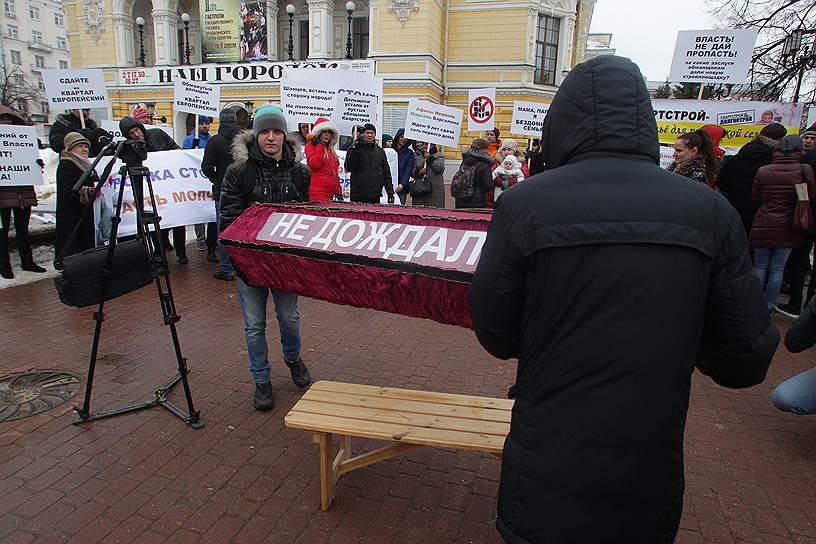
(18, 156)
(75, 89)
(434, 123)
(113, 128)
(713, 56)
(196, 98)
(352, 110)
(528, 118)
(481, 109)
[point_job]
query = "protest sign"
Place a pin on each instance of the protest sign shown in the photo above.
(742, 120)
(304, 101)
(18, 156)
(353, 110)
(75, 89)
(113, 128)
(528, 118)
(713, 56)
(666, 156)
(196, 97)
(183, 193)
(434, 123)
(481, 109)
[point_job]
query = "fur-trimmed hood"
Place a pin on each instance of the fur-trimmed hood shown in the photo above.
(245, 147)
(322, 126)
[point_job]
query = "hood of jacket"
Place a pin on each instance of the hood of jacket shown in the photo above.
(128, 123)
(228, 124)
(15, 115)
(408, 143)
(471, 156)
(601, 107)
(245, 148)
(755, 151)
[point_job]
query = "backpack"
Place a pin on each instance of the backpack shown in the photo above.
(462, 182)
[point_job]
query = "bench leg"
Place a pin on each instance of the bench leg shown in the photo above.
(326, 471)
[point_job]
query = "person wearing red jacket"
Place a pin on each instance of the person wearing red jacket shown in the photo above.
(321, 158)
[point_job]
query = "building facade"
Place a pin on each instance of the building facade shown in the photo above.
(33, 37)
(434, 50)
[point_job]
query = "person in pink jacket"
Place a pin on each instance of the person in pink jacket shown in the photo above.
(321, 158)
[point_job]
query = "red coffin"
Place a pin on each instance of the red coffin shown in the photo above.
(417, 262)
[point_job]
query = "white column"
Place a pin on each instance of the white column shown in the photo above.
(271, 15)
(320, 28)
(373, 31)
(123, 36)
(164, 25)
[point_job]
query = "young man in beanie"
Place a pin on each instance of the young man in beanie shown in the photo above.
(808, 139)
(368, 166)
(267, 169)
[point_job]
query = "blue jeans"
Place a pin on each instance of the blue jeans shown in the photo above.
(797, 394)
(769, 265)
(226, 264)
(253, 306)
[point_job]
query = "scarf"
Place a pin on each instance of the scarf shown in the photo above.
(80, 162)
(688, 168)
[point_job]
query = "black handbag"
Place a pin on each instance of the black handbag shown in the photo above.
(421, 186)
(80, 284)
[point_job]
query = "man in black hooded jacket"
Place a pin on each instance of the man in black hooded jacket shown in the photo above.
(69, 122)
(610, 279)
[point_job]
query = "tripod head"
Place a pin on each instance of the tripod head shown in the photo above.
(132, 153)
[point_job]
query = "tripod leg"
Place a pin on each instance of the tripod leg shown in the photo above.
(182, 368)
(84, 413)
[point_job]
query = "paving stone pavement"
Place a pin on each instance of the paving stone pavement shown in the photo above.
(245, 478)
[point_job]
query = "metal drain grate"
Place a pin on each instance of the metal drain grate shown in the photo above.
(32, 393)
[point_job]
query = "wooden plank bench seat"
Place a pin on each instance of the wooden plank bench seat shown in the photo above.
(405, 418)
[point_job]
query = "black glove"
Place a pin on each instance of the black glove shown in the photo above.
(390, 199)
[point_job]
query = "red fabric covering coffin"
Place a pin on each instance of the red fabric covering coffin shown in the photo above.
(417, 262)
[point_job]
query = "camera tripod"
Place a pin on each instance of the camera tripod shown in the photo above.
(148, 231)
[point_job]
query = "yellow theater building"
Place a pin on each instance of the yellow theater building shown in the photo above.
(434, 50)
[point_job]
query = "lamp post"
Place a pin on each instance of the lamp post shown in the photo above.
(349, 9)
(290, 10)
(185, 18)
(793, 52)
(140, 22)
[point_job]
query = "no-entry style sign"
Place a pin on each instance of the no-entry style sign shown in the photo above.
(481, 109)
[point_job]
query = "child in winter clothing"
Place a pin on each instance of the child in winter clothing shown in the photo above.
(506, 175)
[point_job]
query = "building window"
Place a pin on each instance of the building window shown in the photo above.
(359, 37)
(63, 65)
(40, 84)
(44, 108)
(303, 40)
(12, 31)
(61, 44)
(39, 61)
(36, 37)
(22, 106)
(34, 13)
(549, 29)
(9, 5)
(16, 58)
(59, 19)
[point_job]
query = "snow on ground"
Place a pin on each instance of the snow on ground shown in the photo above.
(43, 256)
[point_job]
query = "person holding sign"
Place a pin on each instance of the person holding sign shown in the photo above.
(16, 200)
(70, 122)
(267, 169)
(70, 204)
(368, 166)
(321, 157)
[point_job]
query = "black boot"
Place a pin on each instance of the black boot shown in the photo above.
(300, 374)
(28, 263)
(5, 268)
(264, 398)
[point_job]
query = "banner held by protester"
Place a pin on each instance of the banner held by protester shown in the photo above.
(713, 56)
(75, 89)
(528, 118)
(433, 123)
(19, 153)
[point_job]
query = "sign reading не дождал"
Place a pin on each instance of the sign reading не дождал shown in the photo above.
(18, 156)
(713, 56)
(75, 89)
(196, 97)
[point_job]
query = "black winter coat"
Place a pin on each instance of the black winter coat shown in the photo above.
(218, 155)
(156, 139)
(482, 178)
(254, 177)
(69, 211)
(736, 178)
(369, 170)
(65, 123)
(610, 279)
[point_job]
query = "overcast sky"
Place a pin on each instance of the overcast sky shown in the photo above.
(645, 30)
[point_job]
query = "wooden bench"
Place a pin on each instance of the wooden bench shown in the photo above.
(405, 418)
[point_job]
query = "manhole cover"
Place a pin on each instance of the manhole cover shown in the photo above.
(32, 393)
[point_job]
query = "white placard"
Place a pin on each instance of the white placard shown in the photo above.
(528, 118)
(196, 97)
(75, 89)
(713, 56)
(18, 156)
(434, 123)
(481, 109)
(352, 110)
(113, 128)
(666, 156)
(306, 101)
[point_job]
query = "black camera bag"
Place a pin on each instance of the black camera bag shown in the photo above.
(80, 284)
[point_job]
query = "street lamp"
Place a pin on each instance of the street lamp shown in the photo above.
(349, 9)
(290, 10)
(140, 22)
(185, 18)
(793, 52)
